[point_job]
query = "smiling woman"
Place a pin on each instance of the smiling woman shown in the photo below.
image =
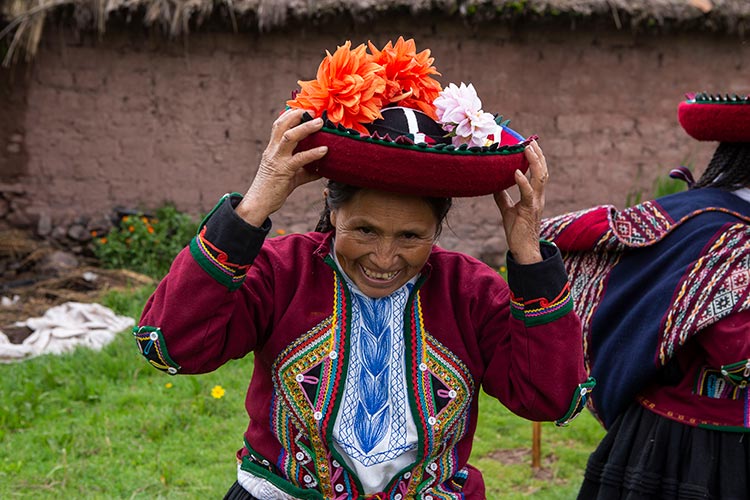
(371, 343)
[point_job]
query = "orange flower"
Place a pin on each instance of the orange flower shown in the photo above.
(103, 241)
(93, 234)
(126, 218)
(150, 230)
(131, 229)
(281, 232)
(349, 86)
(144, 219)
(408, 75)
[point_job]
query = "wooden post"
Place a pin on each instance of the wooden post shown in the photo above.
(536, 445)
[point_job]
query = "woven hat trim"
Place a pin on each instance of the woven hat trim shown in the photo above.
(404, 142)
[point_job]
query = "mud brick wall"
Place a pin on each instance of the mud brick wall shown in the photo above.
(134, 120)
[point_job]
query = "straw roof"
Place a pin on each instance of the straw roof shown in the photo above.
(21, 21)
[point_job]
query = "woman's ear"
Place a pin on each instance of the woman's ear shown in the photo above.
(332, 217)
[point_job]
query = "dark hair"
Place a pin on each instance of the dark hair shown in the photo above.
(728, 169)
(340, 193)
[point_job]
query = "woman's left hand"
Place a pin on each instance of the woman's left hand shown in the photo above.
(522, 219)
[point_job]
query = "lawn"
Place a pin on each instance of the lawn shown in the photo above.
(107, 425)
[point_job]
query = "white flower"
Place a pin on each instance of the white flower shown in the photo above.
(459, 111)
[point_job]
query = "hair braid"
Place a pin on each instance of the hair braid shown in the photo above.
(729, 167)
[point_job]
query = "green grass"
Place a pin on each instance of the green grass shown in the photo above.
(107, 425)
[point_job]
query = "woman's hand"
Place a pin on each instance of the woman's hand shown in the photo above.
(522, 219)
(281, 169)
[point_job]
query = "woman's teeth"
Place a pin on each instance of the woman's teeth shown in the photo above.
(379, 276)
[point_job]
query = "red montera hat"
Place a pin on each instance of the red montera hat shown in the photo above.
(389, 125)
(708, 117)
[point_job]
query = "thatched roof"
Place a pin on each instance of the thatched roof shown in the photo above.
(21, 21)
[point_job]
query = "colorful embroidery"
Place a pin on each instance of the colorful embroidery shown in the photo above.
(151, 343)
(579, 402)
(534, 312)
(308, 376)
(444, 388)
(712, 383)
(373, 411)
(214, 262)
(640, 225)
(715, 286)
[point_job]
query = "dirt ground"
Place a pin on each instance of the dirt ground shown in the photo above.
(35, 276)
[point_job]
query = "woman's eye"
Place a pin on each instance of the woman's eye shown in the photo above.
(364, 230)
(410, 236)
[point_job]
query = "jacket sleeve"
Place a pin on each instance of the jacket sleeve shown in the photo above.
(534, 350)
(203, 313)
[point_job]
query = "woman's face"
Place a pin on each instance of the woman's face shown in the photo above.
(383, 239)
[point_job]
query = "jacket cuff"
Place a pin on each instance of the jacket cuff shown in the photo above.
(580, 396)
(540, 292)
(226, 246)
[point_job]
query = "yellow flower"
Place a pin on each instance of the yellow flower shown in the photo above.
(126, 218)
(503, 269)
(169, 385)
(280, 232)
(218, 392)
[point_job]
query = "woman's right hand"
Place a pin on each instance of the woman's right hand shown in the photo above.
(281, 170)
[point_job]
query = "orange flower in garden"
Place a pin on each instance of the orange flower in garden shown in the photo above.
(131, 229)
(150, 230)
(408, 75)
(126, 218)
(281, 232)
(93, 234)
(349, 86)
(103, 241)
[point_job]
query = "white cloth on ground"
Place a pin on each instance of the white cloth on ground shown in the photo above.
(63, 328)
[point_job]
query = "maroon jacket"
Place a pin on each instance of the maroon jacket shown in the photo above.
(464, 329)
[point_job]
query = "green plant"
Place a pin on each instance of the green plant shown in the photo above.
(145, 244)
(663, 185)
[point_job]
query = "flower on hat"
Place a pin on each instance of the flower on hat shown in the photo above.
(408, 75)
(349, 86)
(459, 110)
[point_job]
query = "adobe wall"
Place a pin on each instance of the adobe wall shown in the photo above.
(134, 121)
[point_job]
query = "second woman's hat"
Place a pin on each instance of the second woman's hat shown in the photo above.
(716, 117)
(389, 125)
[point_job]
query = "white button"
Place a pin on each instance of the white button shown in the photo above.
(428, 497)
(299, 456)
(433, 467)
(333, 355)
(339, 488)
(153, 336)
(307, 478)
(584, 391)
(423, 367)
(397, 496)
(335, 464)
(407, 475)
(265, 462)
(299, 377)
(172, 370)
(431, 420)
(317, 415)
(724, 372)
(452, 394)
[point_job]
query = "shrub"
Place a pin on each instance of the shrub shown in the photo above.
(144, 243)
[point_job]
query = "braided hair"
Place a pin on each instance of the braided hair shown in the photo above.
(729, 168)
(340, 193)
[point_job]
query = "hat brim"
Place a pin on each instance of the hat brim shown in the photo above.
(724, 121)
(418, 169)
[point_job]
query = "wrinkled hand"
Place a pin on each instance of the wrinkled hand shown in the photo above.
(281, 169)
(522, 219)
